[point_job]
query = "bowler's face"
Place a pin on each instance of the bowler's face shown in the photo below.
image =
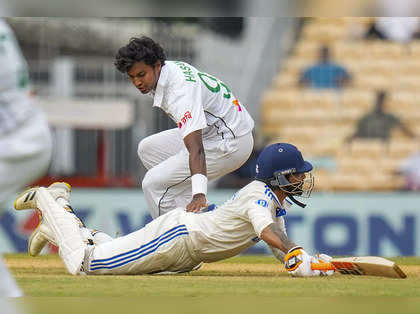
(144, 77)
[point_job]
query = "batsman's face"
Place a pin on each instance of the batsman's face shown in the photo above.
(144, 77)
(303, 183)
(297, 177)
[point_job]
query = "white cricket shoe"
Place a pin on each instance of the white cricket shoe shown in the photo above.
(39, 238)
(27, 199)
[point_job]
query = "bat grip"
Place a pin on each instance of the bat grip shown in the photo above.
(322, 266)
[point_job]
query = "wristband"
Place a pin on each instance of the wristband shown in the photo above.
(199, 184)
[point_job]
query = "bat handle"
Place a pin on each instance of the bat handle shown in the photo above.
(322, 266)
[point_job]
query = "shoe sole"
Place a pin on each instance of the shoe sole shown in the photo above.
(31, 196)
(31, 192)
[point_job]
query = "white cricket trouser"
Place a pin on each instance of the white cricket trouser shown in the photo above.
(162, 245)
(8, 286)
(25, 154)
(167, 183)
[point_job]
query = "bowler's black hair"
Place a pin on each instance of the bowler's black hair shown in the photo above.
(139, 49)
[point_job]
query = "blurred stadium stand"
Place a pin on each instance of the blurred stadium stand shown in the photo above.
(71, 60)
(318, 121)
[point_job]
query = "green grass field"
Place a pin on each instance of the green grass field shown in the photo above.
(246, 281)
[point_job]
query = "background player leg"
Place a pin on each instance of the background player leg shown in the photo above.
(24, 156)
(226, 156)
(165, 181)
(8, 286)
(168, 184)
(156, 148)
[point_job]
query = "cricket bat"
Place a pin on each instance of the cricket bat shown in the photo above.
(363, 265)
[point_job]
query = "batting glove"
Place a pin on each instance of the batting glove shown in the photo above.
(298, 263)
(324, 258)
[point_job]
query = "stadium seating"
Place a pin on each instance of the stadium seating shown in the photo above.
(318, 122)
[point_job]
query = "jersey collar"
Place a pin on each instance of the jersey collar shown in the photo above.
(161, 85)
(285, 204)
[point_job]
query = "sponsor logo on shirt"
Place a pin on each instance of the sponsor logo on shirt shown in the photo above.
(270, 194)
(184, 119)
(236, 103)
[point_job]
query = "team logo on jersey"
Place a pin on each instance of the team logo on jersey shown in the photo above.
(184, 119)
(280, 212)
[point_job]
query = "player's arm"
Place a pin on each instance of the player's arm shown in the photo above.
(197, 161)
(265, 227)
(280, 231)
(297, 261)
(276, 240)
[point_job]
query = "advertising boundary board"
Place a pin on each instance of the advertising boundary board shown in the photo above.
(384, 224)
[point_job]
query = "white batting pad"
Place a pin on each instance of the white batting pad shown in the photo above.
(66, 231)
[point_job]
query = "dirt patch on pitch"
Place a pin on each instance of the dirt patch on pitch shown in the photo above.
(244, 268)
(34, 263)
(411, 270)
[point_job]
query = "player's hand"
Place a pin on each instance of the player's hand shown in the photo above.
(198, 201)
(324, 258)
(298, 263)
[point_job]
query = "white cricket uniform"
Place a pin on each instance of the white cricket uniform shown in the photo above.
(25, 142)
(193, 100)
(179, 241)
(25, 139)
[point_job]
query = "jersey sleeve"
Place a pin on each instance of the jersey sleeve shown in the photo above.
(259, 214)
(186, 108)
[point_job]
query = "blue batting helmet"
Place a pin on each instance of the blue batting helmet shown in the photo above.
(279, 160)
